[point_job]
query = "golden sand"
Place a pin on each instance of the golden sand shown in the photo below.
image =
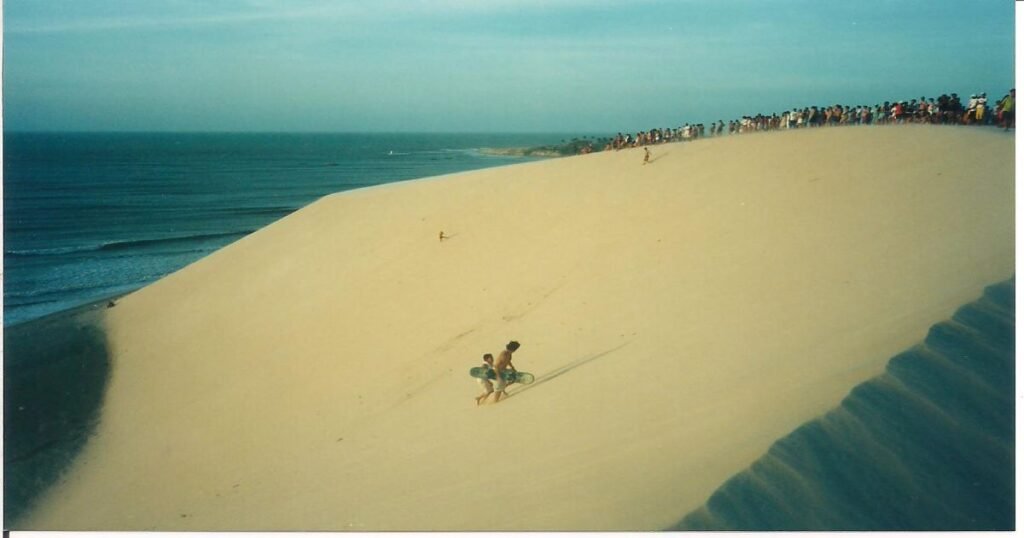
(679, 317)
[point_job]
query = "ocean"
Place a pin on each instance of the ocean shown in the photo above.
(94, 215)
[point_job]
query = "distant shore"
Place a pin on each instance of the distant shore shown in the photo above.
(521, 152)
(566, 148)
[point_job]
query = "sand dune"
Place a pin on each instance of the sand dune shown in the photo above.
(680, 317)
(928, 445)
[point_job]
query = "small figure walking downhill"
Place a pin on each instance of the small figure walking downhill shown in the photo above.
(647, 155)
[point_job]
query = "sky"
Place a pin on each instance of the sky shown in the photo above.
(592, 66)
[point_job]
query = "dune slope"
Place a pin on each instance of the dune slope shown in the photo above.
(928, 445)
(680, 317)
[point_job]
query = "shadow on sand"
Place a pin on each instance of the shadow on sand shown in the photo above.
(55, 375)
(928, 445)
(657, 156)
(562, 370)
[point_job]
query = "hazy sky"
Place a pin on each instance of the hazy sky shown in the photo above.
(482, 65)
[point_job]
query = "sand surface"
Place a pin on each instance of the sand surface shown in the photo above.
(679, 317)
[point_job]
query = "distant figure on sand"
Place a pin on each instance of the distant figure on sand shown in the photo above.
(441, 236)
(647, 155)
(486, 383)
(1007, 108)
(503, 363)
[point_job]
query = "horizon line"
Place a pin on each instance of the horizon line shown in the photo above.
(157, 131)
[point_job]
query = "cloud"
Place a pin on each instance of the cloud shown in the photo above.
(188, 13)
(240, 13)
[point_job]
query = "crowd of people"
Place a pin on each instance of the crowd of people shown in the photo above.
(943, 110)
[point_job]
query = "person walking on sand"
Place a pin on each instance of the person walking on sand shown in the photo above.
(647, 155)
(503, 362)
(441, 236)
(486, 383)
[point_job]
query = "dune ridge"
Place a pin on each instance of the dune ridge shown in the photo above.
(680, 318)
(928, 445)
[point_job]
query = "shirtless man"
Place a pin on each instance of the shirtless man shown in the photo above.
(502, 363)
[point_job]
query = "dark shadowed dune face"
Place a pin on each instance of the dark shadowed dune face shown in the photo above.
(55, 374)
(929, 445)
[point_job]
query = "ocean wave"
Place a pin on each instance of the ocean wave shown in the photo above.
(137, 243)
(928, 445)
(75, 293)
(438, 151)
(125, 245)
(51, 251)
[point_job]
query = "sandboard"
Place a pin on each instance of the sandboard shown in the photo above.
(480, 372)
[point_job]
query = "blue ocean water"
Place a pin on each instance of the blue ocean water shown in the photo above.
(92, 215)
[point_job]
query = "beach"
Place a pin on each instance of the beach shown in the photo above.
(680, 317)
(93, 215)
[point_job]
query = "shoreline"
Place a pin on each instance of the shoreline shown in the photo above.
(520, 152)
(100, 303)
(50, 275)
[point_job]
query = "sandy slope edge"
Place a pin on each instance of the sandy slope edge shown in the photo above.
(679, 317)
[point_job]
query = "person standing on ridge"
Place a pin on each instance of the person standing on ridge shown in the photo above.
(502, 363)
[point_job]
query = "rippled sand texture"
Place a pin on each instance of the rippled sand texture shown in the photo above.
(929, 445)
